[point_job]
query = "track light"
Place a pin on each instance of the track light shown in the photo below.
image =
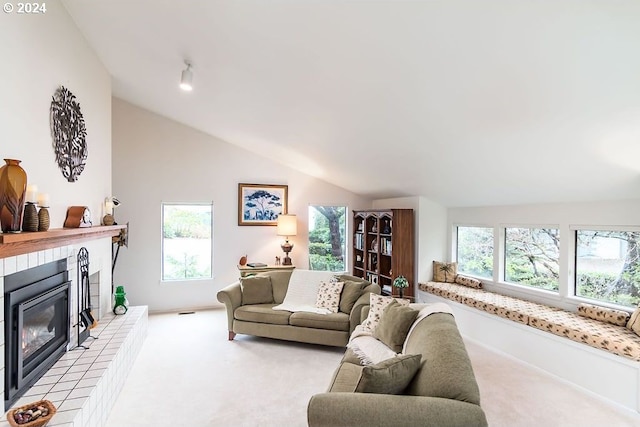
(187, 78)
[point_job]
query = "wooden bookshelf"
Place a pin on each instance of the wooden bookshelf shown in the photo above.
(383, 248)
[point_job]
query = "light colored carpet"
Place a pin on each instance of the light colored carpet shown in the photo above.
(188, 374)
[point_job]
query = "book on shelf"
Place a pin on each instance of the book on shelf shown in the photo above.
(256, 264)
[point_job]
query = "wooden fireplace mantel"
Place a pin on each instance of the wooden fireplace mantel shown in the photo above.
(12, 244)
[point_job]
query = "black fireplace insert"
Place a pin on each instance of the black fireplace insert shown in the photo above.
(36, 325)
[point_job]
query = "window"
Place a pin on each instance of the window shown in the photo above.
(187, 239)
(608, 266)
(475, 251)
(326, 238)
(531, 257)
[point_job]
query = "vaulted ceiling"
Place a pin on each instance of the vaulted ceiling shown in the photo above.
(465, 102)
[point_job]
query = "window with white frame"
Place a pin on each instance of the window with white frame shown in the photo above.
(327, 246)
(532, 257)
(187, 241)
(608, 266)
(475, 251)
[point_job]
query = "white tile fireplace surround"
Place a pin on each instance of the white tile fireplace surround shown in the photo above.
(83, 383)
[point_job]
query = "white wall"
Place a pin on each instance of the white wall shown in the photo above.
(158, 160)
(430, 230)
(561, 215)
(40, 53)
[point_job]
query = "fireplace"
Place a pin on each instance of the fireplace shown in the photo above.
(36, 324)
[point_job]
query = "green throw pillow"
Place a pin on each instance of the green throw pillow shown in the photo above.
(394, 325)
(256, 290)
(390, 376)
(351, 291)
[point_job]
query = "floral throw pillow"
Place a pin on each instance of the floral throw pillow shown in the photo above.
(329, 296)
(377, 305)
(445, 271)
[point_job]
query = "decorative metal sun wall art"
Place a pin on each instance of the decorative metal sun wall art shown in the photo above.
(69, 134)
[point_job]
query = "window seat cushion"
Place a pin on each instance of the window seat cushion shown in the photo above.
(615, 339)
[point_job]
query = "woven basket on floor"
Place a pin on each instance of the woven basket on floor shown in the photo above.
(40, 422)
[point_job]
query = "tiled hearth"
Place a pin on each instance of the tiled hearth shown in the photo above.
(84, 384)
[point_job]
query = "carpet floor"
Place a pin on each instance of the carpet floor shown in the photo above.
(188, 374)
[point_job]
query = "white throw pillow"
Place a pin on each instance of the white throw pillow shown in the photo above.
(377, 306)
(329, 296)
(303, 290)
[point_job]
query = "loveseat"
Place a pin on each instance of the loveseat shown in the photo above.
(442, 393)
(254, 314)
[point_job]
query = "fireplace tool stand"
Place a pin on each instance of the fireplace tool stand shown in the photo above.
(86, 321)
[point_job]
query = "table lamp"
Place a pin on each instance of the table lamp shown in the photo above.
(287, 226)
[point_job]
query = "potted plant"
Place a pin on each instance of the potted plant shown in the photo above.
(400, 282)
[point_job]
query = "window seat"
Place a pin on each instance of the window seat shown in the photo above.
(618, 340)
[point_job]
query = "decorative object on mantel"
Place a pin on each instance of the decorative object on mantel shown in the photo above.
(78, 217)
(109, 203)
(13, 188)
(401, 283)
(120, 303)
(69, 134)
(43, 214)
(287, 226)
(243, 260)
(36, 414)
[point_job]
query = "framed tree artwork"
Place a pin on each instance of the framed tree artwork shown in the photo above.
(260, 204)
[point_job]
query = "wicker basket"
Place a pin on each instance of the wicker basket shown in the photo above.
(39, 422)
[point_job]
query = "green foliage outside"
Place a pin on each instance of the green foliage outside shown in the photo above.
(475, 251)
(187, 242)
(602, 287)
(327, 238)
(532, 257)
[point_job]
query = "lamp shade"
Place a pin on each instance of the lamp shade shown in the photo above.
(287, 225)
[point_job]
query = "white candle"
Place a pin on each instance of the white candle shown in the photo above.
(108, 207)
(43, 200)
(32, 191)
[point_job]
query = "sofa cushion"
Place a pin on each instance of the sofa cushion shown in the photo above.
(388, 377)
(351, 291)
(377, 304)
(333, 321)
(445, 271)
(394, 325)
(468, 281)
(603, 314)
(262, 313)
(329, 296)
(256, 290)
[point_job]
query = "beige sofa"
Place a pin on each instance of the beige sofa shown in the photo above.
(442, 393)
(261, 320)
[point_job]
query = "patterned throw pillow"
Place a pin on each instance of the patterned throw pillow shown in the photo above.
(603, 314)
(377, 304)
(634, 321)
(468, 281)
(329, 295)
(445, 271)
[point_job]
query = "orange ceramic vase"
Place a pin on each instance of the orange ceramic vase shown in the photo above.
(13, 188)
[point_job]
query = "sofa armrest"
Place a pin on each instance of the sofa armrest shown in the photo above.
(231, 297)
(369, 410)
(355, 317)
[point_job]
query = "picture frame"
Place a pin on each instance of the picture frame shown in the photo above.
(260, 204)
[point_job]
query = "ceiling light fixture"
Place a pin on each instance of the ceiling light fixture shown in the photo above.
(187, 78)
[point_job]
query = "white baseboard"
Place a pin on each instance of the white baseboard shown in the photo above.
(611, 377)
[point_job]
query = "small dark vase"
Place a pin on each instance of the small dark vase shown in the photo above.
(13, 188)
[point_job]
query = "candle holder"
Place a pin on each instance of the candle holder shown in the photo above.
(30, 221)
(43, 218)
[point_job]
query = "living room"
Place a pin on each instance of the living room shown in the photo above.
(549, 145)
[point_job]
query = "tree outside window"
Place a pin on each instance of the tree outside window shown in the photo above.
(327, 238)
(187, 241)
(532, 257)
(475, 251)
(608, 266)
